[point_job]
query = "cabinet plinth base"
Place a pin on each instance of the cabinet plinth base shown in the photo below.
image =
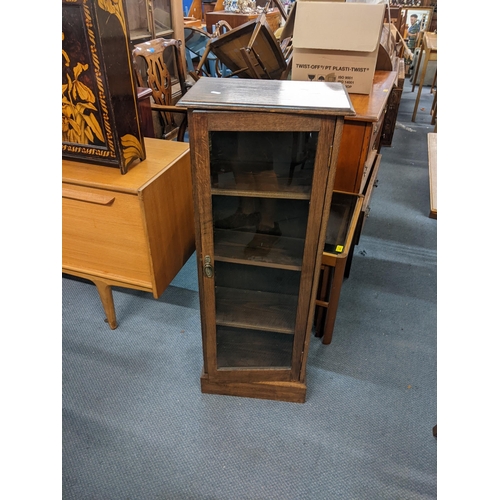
(291, 392)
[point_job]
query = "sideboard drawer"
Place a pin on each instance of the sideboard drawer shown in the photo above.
(103, 233)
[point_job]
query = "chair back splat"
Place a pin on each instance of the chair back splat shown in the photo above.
(158, 65)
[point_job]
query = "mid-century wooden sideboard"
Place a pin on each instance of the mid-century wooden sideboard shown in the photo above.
(134, 230)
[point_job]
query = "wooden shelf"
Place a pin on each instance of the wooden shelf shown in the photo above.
(253, 349)
(296, 193)
(274, 312)
(286, 253)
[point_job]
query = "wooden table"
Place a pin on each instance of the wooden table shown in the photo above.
(429, 46)
(235, 19)
(134, 230)
(342, 228)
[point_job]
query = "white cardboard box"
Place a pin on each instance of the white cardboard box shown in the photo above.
(337, 42)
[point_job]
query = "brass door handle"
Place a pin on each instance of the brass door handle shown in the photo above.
(207, 267)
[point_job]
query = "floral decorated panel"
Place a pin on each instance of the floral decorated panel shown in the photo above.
(100, 119)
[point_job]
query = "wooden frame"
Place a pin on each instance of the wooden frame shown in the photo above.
(100, 117)
(423, 13)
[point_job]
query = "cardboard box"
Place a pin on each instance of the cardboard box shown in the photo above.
(337, 42)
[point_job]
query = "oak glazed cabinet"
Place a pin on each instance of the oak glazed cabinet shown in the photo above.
(263, 156)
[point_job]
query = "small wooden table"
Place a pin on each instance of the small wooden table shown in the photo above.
(134, 230)
(342, 231)
(429, 46)
(235, 19)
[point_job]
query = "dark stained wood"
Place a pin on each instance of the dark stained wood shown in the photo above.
(291, 392)
(256, 310)
(145, 113)
(229, 246)
(256, 325)
(276, 96)
(237, 347)
(251, 50)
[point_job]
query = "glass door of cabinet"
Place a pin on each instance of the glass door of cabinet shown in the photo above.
(162, 18)
(139, 20)
(149, 19)
(260, 202)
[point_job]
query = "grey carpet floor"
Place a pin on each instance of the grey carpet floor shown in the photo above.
(137, 427)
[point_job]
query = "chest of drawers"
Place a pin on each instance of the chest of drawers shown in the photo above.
(362, 133)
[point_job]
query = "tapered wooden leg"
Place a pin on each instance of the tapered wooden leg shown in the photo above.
(333, 302)
(421, 84)
(106, 294)
(416, 68)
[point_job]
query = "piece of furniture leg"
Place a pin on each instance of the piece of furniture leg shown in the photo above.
(430, 47)
(343, 225)
(331, 311)
(106, 295)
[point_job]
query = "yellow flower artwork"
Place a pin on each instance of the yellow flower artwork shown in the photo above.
(79, 123)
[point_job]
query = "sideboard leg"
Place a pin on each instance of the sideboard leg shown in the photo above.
(106, 294)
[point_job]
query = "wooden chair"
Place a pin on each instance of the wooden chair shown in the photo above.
(196, 40)
(198, 46)
(158, 65)
(343, 230)
(251, 51)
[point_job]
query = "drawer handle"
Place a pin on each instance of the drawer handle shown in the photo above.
(99, 199)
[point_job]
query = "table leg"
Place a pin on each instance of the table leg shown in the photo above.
(323, 290)
(106, 295)
(333, 300)
(416, 68)
(421, 84)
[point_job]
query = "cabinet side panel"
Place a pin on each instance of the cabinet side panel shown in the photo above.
(335, 141)
(351, 157)
(169, 219)
(324, 174)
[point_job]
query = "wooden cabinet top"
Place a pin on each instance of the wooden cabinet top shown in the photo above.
(369, 107)
(159, 155)
(286, 96)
